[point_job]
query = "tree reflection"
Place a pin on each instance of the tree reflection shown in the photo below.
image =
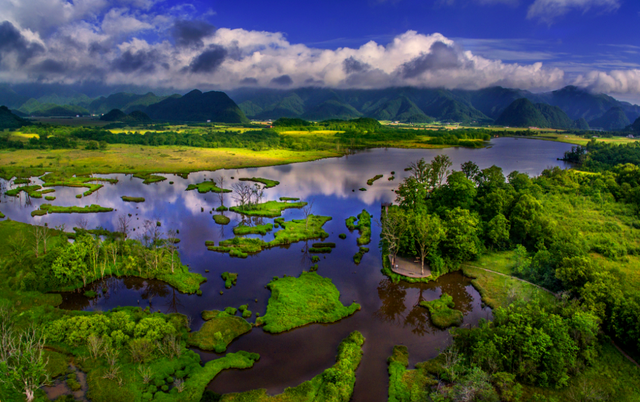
(392, 296)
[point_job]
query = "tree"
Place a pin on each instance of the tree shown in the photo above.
(497, 232)
(172, 244)
(70, 264)
(458, 192)
(242, 193)
(393, 224)
(307, 210)
(470, 170)
(25, 364)
(220, 183)
(461, 242)
(124, 222)
(439, 170)
(427, 233)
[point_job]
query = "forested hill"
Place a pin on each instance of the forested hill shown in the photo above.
(523, 113)
(9, 120)
(198, 106)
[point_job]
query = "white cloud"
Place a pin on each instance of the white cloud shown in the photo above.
(547, 11)
(616, 81)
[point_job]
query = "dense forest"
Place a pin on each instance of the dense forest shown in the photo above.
(447, 217)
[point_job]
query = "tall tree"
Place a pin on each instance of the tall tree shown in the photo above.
(427, 232)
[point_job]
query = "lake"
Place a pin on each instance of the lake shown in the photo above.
(390, 313)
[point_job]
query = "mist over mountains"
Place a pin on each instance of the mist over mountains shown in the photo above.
(569, 107)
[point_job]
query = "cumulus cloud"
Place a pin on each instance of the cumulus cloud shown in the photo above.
(616, 81)
(547, 11)
(131, 42)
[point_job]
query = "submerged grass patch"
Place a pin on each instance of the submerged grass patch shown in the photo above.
(218, 331)
(267, 182)
(258, 229)
(291, 232)
(32, 191)
(307, 299)
(207, 186)
(289, 199)
(442, 312)
(269, 209)
(126, 198)
(64, 180)
(373, 179)
(357, 257)
(148, 178)
(335, 384)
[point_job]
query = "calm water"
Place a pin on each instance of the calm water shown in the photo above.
(390, 313)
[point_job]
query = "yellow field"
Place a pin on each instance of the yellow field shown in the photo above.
(574, 139)
(145, 159)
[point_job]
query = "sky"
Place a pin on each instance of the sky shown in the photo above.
(538, 45)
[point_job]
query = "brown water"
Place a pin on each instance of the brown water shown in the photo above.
(390, 313)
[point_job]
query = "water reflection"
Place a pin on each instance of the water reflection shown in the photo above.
(390, 313)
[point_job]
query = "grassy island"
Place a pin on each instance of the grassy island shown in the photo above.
(268, 183)
(218, 331)
(258, 229)
(442, 312)
(65, 180)
(408, 385)
(363, 226)
(206, 187)
(334, 384)
(149, 178)
(32, 191)
(307, 299)
(373, 179)
(1, 215)
(221, 219)
(292, 231)
(87, 209)
(289, 199)
(269, 209)
(229, 279)
(126, 198)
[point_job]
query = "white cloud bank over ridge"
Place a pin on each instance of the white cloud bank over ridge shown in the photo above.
(108, 42)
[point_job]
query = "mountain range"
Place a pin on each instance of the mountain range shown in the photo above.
(569, 107)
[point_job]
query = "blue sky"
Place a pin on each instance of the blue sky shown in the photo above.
(530, 44)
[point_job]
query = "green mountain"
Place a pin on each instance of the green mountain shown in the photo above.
(32, 107)
(332, 109)
(9, 120)
(118, 115)
(524, 113)
(577, 103)
(198, 106)
(555, 117)
(581, 124)
(124, 101)
(614, 119)
(635, 126)
(10, 98)
(398, 109)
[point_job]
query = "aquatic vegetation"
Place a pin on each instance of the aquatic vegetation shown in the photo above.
(21, 180)
(221, 219)
(335, 384)
(442, 312)
(315, 258)
(363, 226)
(87, 209)
(38, 212)
(320, 250)
(373, 179)
(320, 245)
(230, 279)
(291, 231)
(258, 229)
(362, 189)
(218, 331)
(268, 183)
(149, 178)
(207, 186)
(307, 299)
(289, 199)
(32, 191)
(64, 180)
(408, 385)
(342, 236)
(269, 209)
(50, 198)
(222, 208)
(361, 252)
(1, 215)
(132, 199)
